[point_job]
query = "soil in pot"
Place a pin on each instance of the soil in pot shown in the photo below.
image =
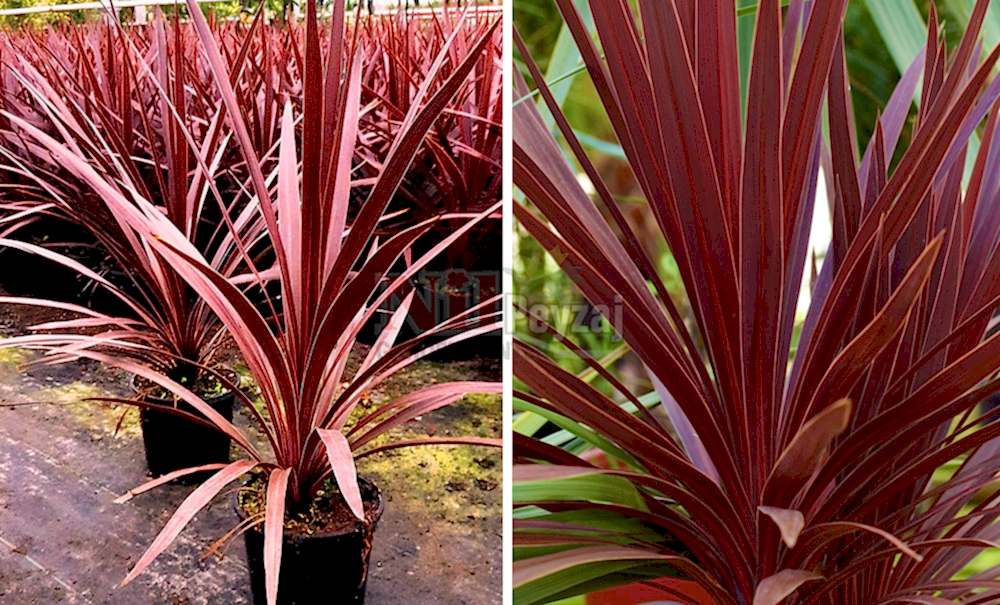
(325, 551)
(174, 442)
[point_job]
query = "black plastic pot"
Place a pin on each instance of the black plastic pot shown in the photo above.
(319, 569)
(173, 442)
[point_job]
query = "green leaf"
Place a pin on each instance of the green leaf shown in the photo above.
(632, 575)
(527, 552)
(903, 29)
(578, 485)
(578, 430)
(621, 350)
(746, 7)
(528, 512)
(577, 600)
(564, 62)
(576, 581)
(527, 423)
(613, 150)
(569, 75)
(603, 521)
(961, 10)
(582, 570)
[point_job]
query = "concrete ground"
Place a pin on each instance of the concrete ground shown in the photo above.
(64, 541)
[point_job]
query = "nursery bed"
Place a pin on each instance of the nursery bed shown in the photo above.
(63, 540)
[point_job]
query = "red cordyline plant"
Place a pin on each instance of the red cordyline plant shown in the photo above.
(459, 167)
(134, 105)
(327, 265)
(764, 467)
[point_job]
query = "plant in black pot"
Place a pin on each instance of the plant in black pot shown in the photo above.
(159, 134)
(302, 503)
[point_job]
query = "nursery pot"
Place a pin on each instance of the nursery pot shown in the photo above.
(173, 442)
(322, 568)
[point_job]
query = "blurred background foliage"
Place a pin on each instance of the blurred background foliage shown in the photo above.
(226, 9)
(39, 19)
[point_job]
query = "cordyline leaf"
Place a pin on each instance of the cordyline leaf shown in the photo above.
(189, 122)
(289, 202)
(394, 445)
(185, 394)
(197, 500)
(578, 430)
(387, 337)
(774, 589)
(90, 322)
(825, 533)
(692, 443)
(549, 482)
(156, 281)
(540, 579)
(894, 116)
(920, 600)
(580, 579)
(338, 451)
(93, 133)
(415, 125)
(415, 404)
(164, 479)
(51, 304)
(74, 266)
(538, 567)
(274, 526)
(762, 223)
(790, 522)
(889, 321)
(807, 450)
(219, 70)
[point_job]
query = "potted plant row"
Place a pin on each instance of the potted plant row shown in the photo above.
(138, 308)
(290, 276)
